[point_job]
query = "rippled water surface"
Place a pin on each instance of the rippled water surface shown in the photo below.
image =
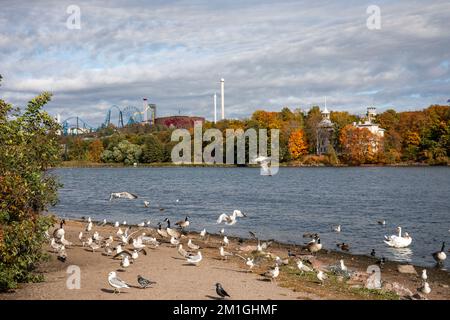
(283, 207)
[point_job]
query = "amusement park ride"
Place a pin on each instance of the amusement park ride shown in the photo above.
(127, 116)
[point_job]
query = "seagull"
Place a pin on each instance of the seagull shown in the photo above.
(424, 275)
(138, 244)
(221, 291)
(124, 223)
(125, 262)
(119, 232)
(116, 282)
(264, 163)
(192, 246)
(203, 233)
(321, 276)
(174, 241)
(80, 237)
(97, 237)
(142, 224)
(425, 288)
(440, 256)
(182, 252)
(272, 273)
(195, 259)
(226, 242)
(382, 222)
(337, 228)
(146, 203)
(224, 254)
(102, 223)
(230, 219)
(119, 249)
(302, 267)
(94, 246)
(116, 224)
(183, 223)
(144, 283)
(89, 226)
(108, 250)
(124, 195)
(342, 265)
(222, 231)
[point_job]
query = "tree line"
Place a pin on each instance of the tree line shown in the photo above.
(410, 137)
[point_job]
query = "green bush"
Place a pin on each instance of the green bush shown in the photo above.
(28, 147)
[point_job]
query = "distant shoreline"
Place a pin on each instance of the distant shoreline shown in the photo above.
(88, 164)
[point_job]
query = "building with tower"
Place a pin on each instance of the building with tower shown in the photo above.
(325, 132)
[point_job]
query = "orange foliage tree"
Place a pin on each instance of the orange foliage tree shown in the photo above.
(359, 145)
(297, 144)
(95, 150)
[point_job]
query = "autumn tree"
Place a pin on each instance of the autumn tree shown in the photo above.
(95, 150)
(311, 124)
(297, 144)
(358, 145)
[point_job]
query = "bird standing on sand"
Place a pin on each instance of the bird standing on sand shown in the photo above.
(116, 224)
(272, 273)
(89, 226)
(225, 241)
(314, 246)
(203, 233)
(224, 254)
(116, 282)
(192, 245)
(440, 256)
(321, 276)
(425, 288)
(195, 259)
(302, 267)
(125, 262)
(144, 283)
(182, 252)
(221, 291)
(424, 275)
(174, 241)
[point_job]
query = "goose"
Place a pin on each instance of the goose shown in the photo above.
(62, 255)
(230, 219)
(195, 259)
(182, 252)
(314, 246)
(163, 233)
(116, 282)
(373, 253)
(337, 228)
(321, 276)
(60, 232)
(116, 224)
(192, 246)
(146, 203)
(302, 267)
(124, 195)
(183, 223)
(56, 247)
(171, 232)
(440, 256)
(272, 273)
(203, 233)
(424, 275)
(225, 241)
(65, 242)
(174, 241)
(398, 241)
(224, 254)
(425, 288)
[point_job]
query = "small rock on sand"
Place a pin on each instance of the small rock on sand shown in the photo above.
(398, 289)
(408, 269)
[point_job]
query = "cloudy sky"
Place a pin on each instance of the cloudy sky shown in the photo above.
(271, 53)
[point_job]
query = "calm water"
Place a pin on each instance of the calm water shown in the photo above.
(281, 207)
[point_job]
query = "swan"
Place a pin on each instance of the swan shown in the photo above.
(398, 241)
(440, 256)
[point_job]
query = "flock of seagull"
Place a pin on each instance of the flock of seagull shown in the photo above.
(127, 245)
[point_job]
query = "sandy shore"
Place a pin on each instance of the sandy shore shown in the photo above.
(178, 280)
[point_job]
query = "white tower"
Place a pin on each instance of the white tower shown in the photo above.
(58, 118)
(144, 111)
(222, 90)
(215, 107)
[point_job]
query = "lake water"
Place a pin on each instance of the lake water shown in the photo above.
(282, 207)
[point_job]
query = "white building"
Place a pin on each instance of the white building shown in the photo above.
(325, 130)
(373, 127)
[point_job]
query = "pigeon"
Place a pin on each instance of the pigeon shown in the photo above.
(221, 291)
(144, 283)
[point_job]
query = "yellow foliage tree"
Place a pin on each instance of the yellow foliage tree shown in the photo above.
(95, 150)
(297, 144)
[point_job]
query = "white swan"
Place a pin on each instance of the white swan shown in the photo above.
(398, 241)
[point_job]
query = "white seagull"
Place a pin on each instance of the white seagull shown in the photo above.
(116, 282)
(124, 195)
(230, 219)
(195, 259)
(192, 245)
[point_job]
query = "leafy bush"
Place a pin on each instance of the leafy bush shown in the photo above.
(28, 147)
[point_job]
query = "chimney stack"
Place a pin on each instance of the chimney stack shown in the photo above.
(215, 107)
(222, 90)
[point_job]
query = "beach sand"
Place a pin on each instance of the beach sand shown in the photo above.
(178, 280)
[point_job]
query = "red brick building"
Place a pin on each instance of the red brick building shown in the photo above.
(179, 122)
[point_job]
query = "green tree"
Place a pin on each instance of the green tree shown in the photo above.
(28, 147)
(152, 150)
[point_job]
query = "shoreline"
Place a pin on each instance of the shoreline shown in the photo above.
(170, 272)
(87, 164)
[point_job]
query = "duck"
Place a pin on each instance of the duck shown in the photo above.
(440, 256)
(314, 246)
(171, 232)
(343, 246)
(398, 241)
(183, 223)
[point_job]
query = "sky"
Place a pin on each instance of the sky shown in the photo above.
(271, 53)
